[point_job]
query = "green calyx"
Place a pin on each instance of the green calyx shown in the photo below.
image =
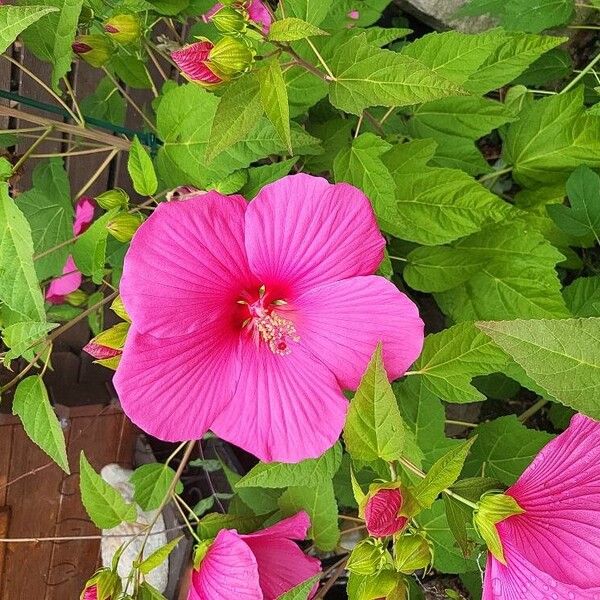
(123, 28)
(412, 552)
(231, 20)
(230, 57)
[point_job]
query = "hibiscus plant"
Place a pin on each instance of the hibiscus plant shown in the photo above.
(361, 250)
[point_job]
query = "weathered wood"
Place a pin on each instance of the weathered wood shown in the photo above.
(4, 522)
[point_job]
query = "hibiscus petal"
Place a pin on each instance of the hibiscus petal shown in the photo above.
(285, 408)
(521, 580)
(228, 571)
(84, 214)
(560, 493)
(342, 322)
(260, 14)
(304, 231)
(292, 528)
(186, 265)
(173, 388)
(65, 284)
(192, 60)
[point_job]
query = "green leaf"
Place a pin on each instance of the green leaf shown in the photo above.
(550, 67)
(311, 11)
(159, 556)
(103, 503)
(151, 484)
(131, 70)
(582, 297)
(15, 19)
(451, 358)
(360, 164)
(319, 502)
(300, 591)
(89, 251)
(141, 170)
(274, 98)
(49, 210)
(552, 137)
(583, 189)
(458, 516)
(148, 592)
(21, 338)
(371, 587)
(562, 356)
(366, 76)
(237, 114)
(211, 524)
(105, 103)
(442, 474)
(39, 420)
(19, 289)
(258, 177)
(504, 448)
(291, 29)
(374, 426)
(309, 472)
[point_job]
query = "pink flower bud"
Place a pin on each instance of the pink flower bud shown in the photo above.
(381, 512)
(193, 61)
(354, 15)
(100, 352)
(90, 593)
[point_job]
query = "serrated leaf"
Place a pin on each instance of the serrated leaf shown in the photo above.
(300, 591)
(49, 210)
(237, 114)
(103, 503)
(105, 103)
(15, 19)
(319, 502)
(148, 592)
(311, 11)
(451, 358)
(307, 472)
(458, 515)
(562, 356)
(374, 428)
(159, 556)
(141, 169)
(274, 99)
(444, 472)
(151, 483)
(19, 289)
(504, 448)
(365, 75)
(21, 337)
(260, 176)
(582, 297)
(39, 420)
(211, 524)
(291, 29)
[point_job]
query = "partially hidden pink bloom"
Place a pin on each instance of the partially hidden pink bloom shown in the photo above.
(194, 62)
(250, 319)
(381, 512)
(62, 286)
(100, 352)
(552, 548)
(257, 12)
(90, 593)
(258, 566)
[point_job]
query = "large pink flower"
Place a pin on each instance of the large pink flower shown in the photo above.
(259, 566)
(62, 286)
(552, 550)
(250, 319)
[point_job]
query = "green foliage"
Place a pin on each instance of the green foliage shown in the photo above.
(300, 591)
(291, 29)
(41, 424)
(158, 556)
(274, 98)
(15, 19)
(141, 170)
(151, 483)
(582, 297)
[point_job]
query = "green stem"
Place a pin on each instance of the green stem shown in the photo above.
(533, 409)
(31, 149)
(321, 60)
(495, 174)
(583, 73)
(392, 257)
(461, 423)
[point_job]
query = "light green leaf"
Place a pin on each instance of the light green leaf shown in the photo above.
(451, 358)
(300, 591)
(237, 114)
(458, 516)
(291, 29)
(148, 592)
(211, 524)
(367, 76)
(141, 170)
(49, 210)
(309, 472)
(360, 164)
(19, 289)
(105, 103)
(159, 556)
(39, 420)
(552, 137)
(15, 19)
(89, 251)
(371, 587)
(504, 448)
(258, 177)
(582, 297)
(274, 98)
(151, 483)
(562, 356)
(311, 11)
(374, 428)
(444, 472)
(103, 503)
(319, 502)
(21, 337)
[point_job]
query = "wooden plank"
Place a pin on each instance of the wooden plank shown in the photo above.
(4, 521)
(6, 437)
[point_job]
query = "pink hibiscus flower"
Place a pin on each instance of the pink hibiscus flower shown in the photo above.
(552, 548)
(90, 593)
(258, 566)
(194, 62)
(62, 286)
(250, 319)
(381, 512)
(257, 12)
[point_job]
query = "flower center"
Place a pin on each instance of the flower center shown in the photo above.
(268, 325)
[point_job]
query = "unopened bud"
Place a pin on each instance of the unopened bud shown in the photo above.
(94, 49)
(230, 20)
(104, 585)
(115, 198)
(381, 510)
(412, 553)
(231, 57)
(123, 28)
(76, 298)
(123, 226)
(367, 558)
